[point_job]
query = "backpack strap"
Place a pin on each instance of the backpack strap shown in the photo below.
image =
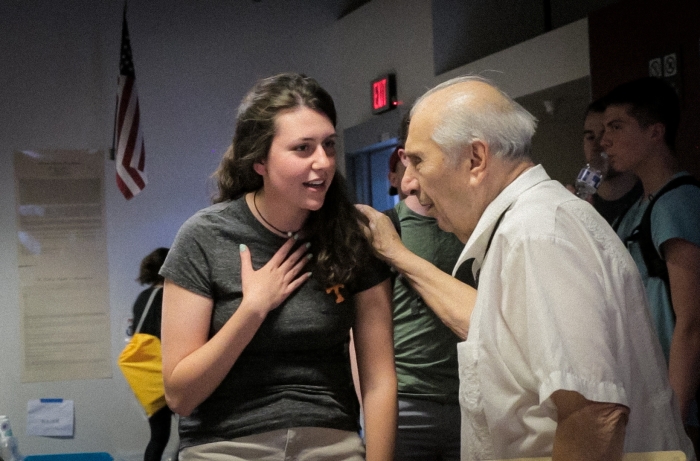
(655, 264)
(147, 308)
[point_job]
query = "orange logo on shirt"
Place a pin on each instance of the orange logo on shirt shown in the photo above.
(336, 289)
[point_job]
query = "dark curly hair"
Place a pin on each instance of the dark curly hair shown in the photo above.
(150, 265)
(338, 243)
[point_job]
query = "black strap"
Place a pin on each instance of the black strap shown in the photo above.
(656, 266)
(465, 274)
(488, 245)
(498, 223)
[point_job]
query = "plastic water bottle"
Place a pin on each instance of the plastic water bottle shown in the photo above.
(8, 443)
(591, 175)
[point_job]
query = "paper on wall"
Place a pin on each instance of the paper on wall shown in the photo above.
(50, 417)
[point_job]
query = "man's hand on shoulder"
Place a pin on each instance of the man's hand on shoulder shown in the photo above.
(381, 233)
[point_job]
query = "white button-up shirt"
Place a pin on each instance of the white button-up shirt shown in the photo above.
(560, 306)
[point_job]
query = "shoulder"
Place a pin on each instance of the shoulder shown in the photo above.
(225, 215)
(210, 231)
(395, 213)
(551, 218)
(369, 275)
(143, 297)
(679, 203)
(543, 209)
(213, 214)
(680, 197)
(676, 213)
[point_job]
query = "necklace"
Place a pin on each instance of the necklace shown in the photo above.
(287, 233)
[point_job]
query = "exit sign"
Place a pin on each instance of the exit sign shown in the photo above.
(384, 94)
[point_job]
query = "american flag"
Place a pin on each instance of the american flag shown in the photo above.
(131, 156)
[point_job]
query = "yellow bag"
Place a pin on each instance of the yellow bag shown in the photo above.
(142, 365)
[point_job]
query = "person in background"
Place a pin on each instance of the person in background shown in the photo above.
(641, 121)
(396, 167)
(425, 349)
(159, 422)
(560, 358)
(618, 190)
(261, 292)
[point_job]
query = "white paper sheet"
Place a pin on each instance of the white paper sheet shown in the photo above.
(50, 417)
(62, 249)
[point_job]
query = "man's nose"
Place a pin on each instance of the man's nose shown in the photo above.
(598, 143)
(409, 183)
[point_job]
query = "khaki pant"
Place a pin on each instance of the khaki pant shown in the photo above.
(294, 444)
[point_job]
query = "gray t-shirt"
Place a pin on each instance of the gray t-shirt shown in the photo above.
(296, 370)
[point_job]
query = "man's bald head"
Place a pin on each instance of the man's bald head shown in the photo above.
(466, 109)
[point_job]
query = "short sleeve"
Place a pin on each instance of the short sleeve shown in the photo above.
(677, 215)
(371, 274)
(187, 262)
(566, 329)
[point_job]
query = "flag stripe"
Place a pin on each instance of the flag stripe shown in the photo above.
(131, 154)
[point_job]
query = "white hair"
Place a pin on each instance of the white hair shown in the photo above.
(506, 128)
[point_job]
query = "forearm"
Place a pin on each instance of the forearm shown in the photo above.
(684, 364)
(450, 299)
(587, 430)
(194, 378)
(381, 413)
(683, 264)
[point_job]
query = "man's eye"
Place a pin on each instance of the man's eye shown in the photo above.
(301, 147)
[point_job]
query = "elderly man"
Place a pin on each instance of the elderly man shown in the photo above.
(560, 358)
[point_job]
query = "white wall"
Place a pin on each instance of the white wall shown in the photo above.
(194, 61)
(545, 61)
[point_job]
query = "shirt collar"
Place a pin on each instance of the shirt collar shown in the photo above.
(476, 245)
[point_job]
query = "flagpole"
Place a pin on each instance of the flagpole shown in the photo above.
(130, 152)
(114, 130)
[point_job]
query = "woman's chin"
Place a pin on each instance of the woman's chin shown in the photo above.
(314, 206)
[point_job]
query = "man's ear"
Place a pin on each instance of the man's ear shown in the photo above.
(402, 155)
(657, 131)
(260, 168)
(479, 157)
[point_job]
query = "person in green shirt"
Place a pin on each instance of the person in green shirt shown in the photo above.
(425, 349)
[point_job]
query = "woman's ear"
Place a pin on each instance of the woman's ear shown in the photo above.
(260, 168)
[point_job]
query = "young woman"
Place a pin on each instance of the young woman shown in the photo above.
(262, 289)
